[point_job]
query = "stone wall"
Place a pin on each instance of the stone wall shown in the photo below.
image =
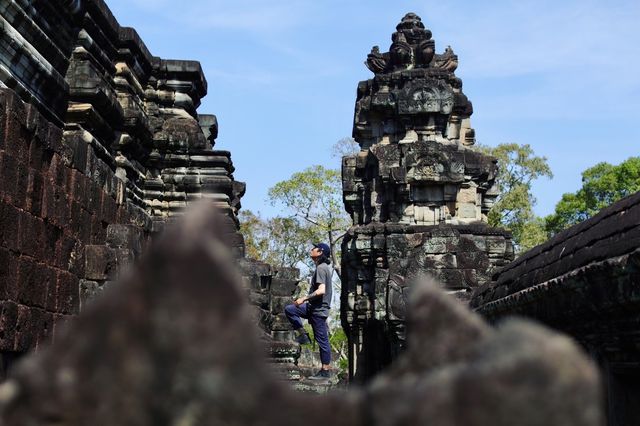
(101, 147)
(53, 213)
(584, 282)
(36, 41)
(418, 194)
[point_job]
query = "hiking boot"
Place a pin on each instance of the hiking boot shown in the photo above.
(303, 339)
(321, 375)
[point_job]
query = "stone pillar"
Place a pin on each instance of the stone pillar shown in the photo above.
(418, 194)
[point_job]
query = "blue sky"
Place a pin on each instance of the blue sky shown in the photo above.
(561, 76)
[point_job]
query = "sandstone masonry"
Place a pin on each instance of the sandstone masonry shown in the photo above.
(417, 191)
(100, 147)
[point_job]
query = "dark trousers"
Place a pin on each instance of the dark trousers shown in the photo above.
(318, 324)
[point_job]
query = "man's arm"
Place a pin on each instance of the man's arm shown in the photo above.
(321, 290)
(317, 293)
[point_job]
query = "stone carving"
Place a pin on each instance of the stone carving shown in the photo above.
(417, 192)
(412, 47)
(376, 62)
(448, 61)
(177, 335)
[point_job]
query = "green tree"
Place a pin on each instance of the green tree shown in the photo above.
(340, 346)
(602, 185)
(280, 241)
(312, 212)
(519, 167)
(252, 227)
(345, 146)
(313, 200)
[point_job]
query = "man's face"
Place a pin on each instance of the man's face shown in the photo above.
(315, 253)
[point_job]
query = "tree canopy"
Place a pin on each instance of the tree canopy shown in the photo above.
(279, 241)
(312, 209)
(519, 167)
(602, 185)
(313, 197)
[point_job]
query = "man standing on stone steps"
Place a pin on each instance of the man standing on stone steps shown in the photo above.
(315, 307)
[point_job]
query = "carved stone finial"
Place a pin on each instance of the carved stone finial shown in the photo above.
(376, 61)
(447, 61)
(413, 28)
(412, 47)
(401, 52)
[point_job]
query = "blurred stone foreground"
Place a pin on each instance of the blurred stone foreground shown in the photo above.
(174, 343)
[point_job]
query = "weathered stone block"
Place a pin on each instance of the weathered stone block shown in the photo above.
(8, 322)
(8, 173)
(283, 287)
(55, 207)
(9, 223)
(466, 210)
(67, 293)
(100, 262)
(57, 171)
(79, 148)
(43, 325)
(496, 245)
(19, 183)
(124, 259)
(31, 234)
(287, 273)
(108, 208)
(125, 236)
(473, 260)
(426, 194)
(25, 332)
(442, 261)
(35, 187)
(15, 132)
(278, 303)
(63, 247)
(467, 195)
(8, 274)
(435, 245)
(34, 280)
(89, 290)
(426, 215)
(260, 299)
(281, 323)
(96, 232)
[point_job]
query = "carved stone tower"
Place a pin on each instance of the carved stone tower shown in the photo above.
(418, 194)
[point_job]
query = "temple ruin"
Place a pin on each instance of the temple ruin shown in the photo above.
(101, 148)
(418, 194)
(102, 151)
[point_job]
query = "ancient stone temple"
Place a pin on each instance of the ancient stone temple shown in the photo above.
(102, 150)
(101, 147)
(418, 193)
